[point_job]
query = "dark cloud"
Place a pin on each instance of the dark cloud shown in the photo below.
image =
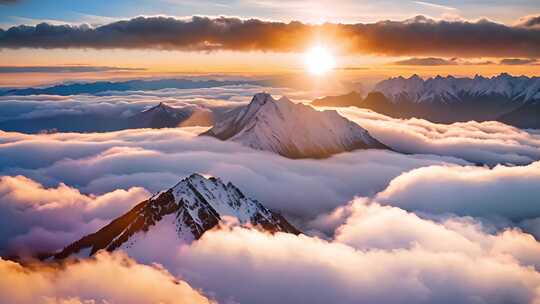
(63, 69)
(517, 61)
(430, 61)
(418, 36)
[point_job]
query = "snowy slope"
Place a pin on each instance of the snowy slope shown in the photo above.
(193, 206)
(292, 130)
(451, 89)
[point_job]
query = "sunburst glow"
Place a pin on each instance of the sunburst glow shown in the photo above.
(319, 60)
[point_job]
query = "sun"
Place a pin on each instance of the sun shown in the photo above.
(319, 60)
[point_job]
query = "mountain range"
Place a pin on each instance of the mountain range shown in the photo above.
(102, 87)
(505, 98)
(158, 116)
(290, 129)
(193, 206)
(165, 116)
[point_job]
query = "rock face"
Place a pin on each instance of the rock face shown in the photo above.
(195, 205)
(291, 130)
(512, 100)
(164, 116)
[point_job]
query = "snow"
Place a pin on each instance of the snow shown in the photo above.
(450, 88)
(226, 200)
(196, 205)
(288, 128)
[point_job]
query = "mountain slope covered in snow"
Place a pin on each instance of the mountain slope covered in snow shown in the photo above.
(192, 207)
(512, 100)
(292, 130)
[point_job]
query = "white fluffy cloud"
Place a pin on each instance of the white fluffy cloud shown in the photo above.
(130, 102)
(375, 249)
(158, 159)
(503, 191)
(415, 237)
(483, 143)
(103, 279)
(38, 219)
(410, 267)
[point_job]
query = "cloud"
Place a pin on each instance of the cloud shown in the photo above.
(508, 192)
(104, 279)
(100, 163)
(57, 187)
(417, 36)
(369, 226)
(375, 249)
(517, 61)
(28, 113)
(435, 61)
(529, 21)
(63, 69)
(433, 5)
(75, 170)
(478, 142)
(290, 269)
(429, 61)
(39, 219)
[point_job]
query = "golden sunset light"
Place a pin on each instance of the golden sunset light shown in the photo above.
(269, 152)
(319, 60)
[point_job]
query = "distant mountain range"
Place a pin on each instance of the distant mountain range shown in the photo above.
(164, 116)
(159, 116)
(101, 87)
(192, 207)
(511, 100)
(290, 129)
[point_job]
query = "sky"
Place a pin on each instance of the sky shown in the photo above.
(371, 49)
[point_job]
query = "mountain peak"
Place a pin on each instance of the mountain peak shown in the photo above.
(193, 206)
(447, 89)
(261, 98)
(163, 115)
(161, 106)
(291, 129)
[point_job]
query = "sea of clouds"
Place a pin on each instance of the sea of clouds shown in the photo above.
(453, 220)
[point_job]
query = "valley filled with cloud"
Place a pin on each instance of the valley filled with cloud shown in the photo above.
(373, 220)
(269, 152)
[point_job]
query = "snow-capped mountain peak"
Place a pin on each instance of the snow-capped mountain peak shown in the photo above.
(291, 129)
(192, 207)
(451, 89)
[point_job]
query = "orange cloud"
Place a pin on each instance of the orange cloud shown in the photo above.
(417, 36)
(104, 279)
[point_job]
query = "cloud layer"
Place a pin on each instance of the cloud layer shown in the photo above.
(508, 192)
(101, 163)
(482, 143)
(429, 228)
(417, 36)
(63, 69)
(104, 279)
(38, 219)
(376, 250)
